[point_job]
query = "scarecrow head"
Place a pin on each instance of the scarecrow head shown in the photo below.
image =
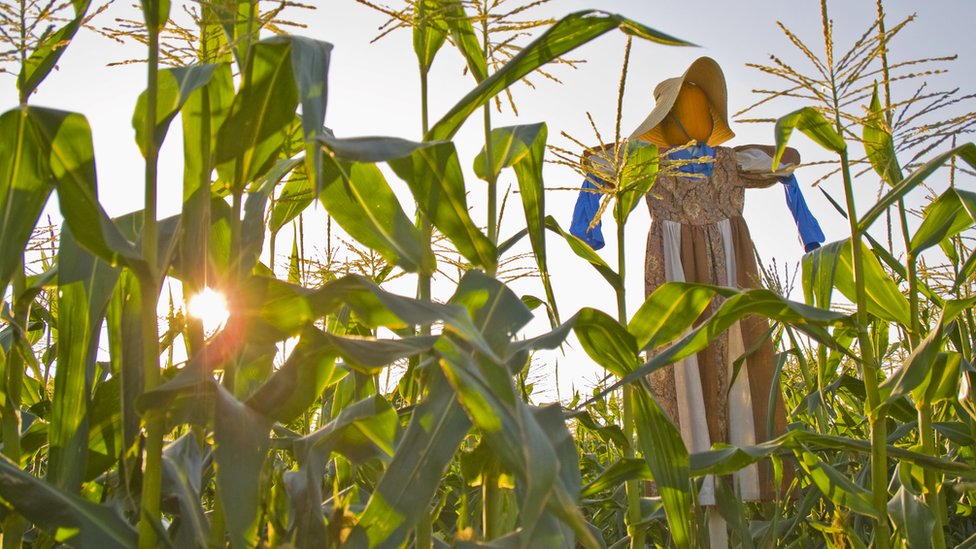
(691, 107)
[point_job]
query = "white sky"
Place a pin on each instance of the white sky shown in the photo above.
(374, 90)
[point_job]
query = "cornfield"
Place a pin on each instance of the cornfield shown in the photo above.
(328, 410)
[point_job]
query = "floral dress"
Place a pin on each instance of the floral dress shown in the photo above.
(698, 235)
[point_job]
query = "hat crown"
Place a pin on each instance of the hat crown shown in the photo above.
(707, 75)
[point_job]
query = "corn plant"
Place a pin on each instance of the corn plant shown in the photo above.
(223, 448)
(278, 431)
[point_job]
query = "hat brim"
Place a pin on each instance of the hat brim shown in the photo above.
(707, 75)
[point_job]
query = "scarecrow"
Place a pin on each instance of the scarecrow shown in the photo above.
(698, 235)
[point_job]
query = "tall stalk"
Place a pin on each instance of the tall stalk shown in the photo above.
(149, 286)
(492, 177)
(15, 525)
(869, 367)
(925, 430)
(633, 487)
(425, 527)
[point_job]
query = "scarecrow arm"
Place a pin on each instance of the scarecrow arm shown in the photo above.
(754, 163)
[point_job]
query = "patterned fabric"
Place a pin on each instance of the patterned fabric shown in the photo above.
(699, 201)
(701, 206)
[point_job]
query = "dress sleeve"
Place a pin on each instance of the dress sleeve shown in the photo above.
(749, 169)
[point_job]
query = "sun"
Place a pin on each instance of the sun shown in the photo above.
(210, 306)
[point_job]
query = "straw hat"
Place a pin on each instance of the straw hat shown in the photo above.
(707, 75)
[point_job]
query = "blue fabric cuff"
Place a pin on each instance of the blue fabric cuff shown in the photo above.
(810, 232)
(587, 206)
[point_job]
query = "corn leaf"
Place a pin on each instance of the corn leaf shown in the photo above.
(45, 56)
(437, 427)
(567, 34)
(667, 458)
(607, 342)
(85, 285)
(242, 444)
(175, 87)
(360, 200)
(951, 213)
(878, 143)
(966, 152)
(585, 252)
(253, 133)
(809, 121)
(68, 518)
(434, 175)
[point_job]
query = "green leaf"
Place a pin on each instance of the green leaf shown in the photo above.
(242, 444)
(296, 385)
(878, 143)
(928, 373)
(917, 367)
(156, 12)
(434, 175)
(583, 251)
(509, 146)
(489, 397)
(967, 152)
(280, 309)
(202, 115)
(668, 312)
(67, 139)
(65, 516)
(567, 34)
(837, 487)
(809, 121)
(616, 475)
(402, 496)
(175, 87)
(85, 285)
(668, 461)
(956, 431)
(948, 215)
(496, 310)
(46, 54)
(25, 185)
(607, 342)
(371, 355)
(429, 32)
(464, 37)
(310, 67)
(297, 194)
(251, 137)
(183, 465)
(728, 459)
(362, 431)
(636, 178)
(965, 272)
(124, 326)
(912, 518)
(738, 304)
(833, 266)
(252, 226)
(524, 151)
(358, 197)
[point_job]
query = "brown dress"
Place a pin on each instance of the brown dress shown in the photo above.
(698, 235)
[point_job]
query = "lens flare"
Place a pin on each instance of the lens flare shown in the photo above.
(210, 306)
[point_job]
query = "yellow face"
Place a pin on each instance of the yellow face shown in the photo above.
(690, 117)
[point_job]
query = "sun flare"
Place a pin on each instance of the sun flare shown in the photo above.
(210, 306)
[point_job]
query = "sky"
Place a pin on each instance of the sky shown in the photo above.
(374, 90)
